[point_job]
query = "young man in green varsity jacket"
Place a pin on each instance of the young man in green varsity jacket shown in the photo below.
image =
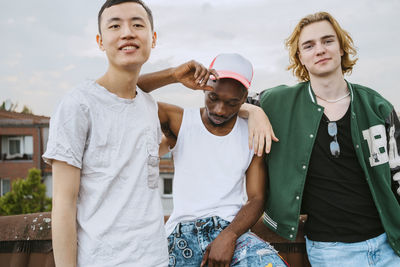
(338, 156)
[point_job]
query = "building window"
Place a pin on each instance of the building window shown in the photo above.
(166, 188)
(4, 186)
(16, 147)
(166, 185)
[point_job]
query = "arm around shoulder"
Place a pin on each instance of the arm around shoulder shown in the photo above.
(260, 129)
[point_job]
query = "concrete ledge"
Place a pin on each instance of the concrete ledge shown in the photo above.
(25, 241)
(34, 226)
(294, 252)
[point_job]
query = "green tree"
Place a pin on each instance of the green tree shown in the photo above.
(12, 107)
(26, 110)
(26, 196)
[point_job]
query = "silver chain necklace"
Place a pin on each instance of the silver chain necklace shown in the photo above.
(335, 100)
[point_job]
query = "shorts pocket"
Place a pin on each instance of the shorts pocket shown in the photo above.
(171, 242)
(315, 247)
(322, 245)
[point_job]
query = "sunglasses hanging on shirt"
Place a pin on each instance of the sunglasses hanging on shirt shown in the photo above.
(334, 145)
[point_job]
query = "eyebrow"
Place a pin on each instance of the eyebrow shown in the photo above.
(119, 19)
(323, 37)
(328, 36)
(233, 100)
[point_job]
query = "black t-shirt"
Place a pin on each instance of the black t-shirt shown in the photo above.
(336, 196)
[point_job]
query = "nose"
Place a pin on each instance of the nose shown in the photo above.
(320, 48)
(219, 109)
(128, 32)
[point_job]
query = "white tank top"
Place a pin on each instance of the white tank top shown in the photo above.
(209, 171)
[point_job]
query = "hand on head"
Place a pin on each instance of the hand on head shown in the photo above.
(194, 75)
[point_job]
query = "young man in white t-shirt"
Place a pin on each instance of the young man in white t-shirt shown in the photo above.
(219, 183)
(103, 147)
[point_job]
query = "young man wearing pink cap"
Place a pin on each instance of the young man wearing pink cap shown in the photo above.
(339, 162)
(218, 183)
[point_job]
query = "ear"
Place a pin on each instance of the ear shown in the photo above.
(99, 41)
(245, 96)
(341, 52)
(154, 40)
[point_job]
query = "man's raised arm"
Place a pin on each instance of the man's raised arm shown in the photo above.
(191, 74)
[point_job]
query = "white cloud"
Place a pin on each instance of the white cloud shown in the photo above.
(84, 46)
(179, 95)
(69, 67)
(14, 59)
(9, 79)
(31, 19)
(10, 21)
(47, 59)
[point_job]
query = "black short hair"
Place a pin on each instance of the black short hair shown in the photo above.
(110, 3)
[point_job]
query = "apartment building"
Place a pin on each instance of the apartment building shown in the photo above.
(23, 138)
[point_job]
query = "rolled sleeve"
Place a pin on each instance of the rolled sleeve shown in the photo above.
(68, 133)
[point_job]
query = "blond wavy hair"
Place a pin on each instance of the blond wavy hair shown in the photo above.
(345, 41)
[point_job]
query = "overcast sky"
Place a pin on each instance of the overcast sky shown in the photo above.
(48, 46)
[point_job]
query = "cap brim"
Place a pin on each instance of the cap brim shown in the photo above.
(234, 75)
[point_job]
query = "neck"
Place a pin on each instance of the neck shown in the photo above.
(332, 94)
(332, 87)
(120, 82)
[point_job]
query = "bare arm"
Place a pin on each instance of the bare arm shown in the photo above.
(66, 180)
(170, 117)
(165, 145)
(191, 74)
(220, 251)
(260, 128)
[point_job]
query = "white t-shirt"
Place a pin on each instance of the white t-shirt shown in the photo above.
(114, 141)
(210, 171)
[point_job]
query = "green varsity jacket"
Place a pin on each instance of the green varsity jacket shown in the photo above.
(295, 117)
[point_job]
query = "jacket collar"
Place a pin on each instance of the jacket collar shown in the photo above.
(312, 94)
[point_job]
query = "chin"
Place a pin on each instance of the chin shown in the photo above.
(214, 123)
(133, 60)
(322, 73)
(131, 65)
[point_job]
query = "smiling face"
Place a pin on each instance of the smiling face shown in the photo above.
(126, 35)
(223, 103)
(319, 49)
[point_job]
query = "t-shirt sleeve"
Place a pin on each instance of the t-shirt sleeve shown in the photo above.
(68, 132)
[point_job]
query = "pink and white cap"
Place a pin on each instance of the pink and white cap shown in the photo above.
(233, 66)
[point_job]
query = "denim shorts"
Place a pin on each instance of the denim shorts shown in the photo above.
(189, 240)
(372, 252)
